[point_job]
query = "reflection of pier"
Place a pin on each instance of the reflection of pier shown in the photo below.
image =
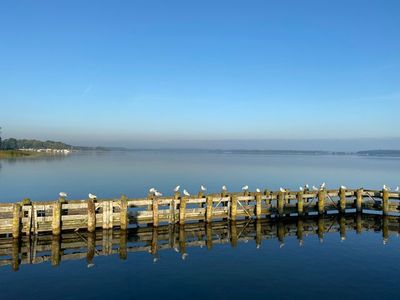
(87, 245)
(61, 215)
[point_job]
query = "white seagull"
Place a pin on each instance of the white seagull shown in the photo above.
(63, 194)
(386, 188)
(157, 194)
(245, 188)
(314, 188)
(177, 188)
(397, 189)
(91, 196)
(282, 189)
(306, 186)
(224, 188)
(342, 187)
(203, 188)
(152, 190)
(322, 186)
(258, 190)
(186, 193)
(301, 188)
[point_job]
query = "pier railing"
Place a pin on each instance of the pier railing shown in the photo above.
(29, 217)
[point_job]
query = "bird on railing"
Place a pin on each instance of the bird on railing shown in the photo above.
(301, 189)
(397, 189)
(386, 188)
(224, 188)
(152, 190)
(306, 186)
(258, 190)
(157, 193)
(322, 186)
(176, 189)
(203, 188)
(63, 194)
(186, 193)
(314, 188)
(281, 189)
(342, 187)
(245, 188)
(92, 196)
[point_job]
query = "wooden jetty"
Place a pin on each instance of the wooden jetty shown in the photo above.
(26, 217)
(75, 245)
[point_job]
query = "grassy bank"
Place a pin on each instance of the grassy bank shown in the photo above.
(16, 153)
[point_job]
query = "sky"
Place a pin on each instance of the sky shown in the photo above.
(137, 73)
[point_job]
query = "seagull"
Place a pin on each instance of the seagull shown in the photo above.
(245, 188)
(386, 188)
(203, 188)
(397, 189)
(177, 188)
(314, 188)
(306, 186)
(322, 186)
(152, 190)
(63, 194)
(282, 189)
(301, 188)
(224, 188)
(91, 265)
(258, 190)
(91, 196)
(157, 194)
(185, 192)
(342, 187)
(184, 255)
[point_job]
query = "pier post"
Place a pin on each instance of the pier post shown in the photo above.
(342, 201)
(209, 206)
(233, 207)
(321, 201)
(91, 215)
(182, 210)
(124, 213)
(56, 221)
(16, 223)
(385, 202)
(300, 204)
(359, 199)
(258, 205)
(155, 212)
(281, 203)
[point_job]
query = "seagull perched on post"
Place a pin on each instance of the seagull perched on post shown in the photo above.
(63, 194)
(258, 190)
(314, 188)
(203, 188)
(397, 189)
(152, 190)
(91, 196)
(386, 188)
(176, 189)
(306, 186)
(281, 189)
(224, 188)
(301, 189)
(342, 187)
(322, 186)
(245, 188)
(157, 193)
(186, 193)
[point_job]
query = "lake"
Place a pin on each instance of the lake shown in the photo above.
(252, 259)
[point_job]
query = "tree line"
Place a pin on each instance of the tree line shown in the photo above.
(14, 144)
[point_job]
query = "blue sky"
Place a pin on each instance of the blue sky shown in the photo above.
(130, 72)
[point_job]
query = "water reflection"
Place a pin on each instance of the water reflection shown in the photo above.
(84, 245)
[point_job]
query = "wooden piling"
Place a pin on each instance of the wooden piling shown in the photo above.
(91, 215)
(233, 211)
(16, 222)
(359, 199)
(342, 201)
(124, 222)
(56, 221)
(209, 207)
(258, 205)
(182, 210)
(321, 201)
(155, 212)
(300, 203)
(281, 203)
(385, 202)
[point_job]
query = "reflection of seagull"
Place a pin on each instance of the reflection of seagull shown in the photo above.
(342, 238)
(186, 193)
(91, 196)
(91, 265)
(184, 255)
(177, 188)
(301, 243)
(258, 190)
(281, 245)
(258, 246)
(176, 249)
(224, 188)
(157, 194)
(155, 259)
(62, 194)
(385, 241)
(203, 188)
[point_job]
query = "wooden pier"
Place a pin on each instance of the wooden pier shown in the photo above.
(75, 245)
(27, 218)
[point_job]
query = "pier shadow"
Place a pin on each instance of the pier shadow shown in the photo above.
(82, 245)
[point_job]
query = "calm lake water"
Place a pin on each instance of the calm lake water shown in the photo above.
(348, 266)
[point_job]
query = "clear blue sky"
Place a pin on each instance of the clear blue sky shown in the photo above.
(103, 72)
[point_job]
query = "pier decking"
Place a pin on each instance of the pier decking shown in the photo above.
(26, 217)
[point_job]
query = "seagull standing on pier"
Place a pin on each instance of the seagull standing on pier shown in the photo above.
(281, 189)
(152, 190)
(397, 189)
(203, 188)
(342, 187)
(322, 186)
(186, 193)
(301, 189)
(314, 188)
(176, 189)
(386, 188)
(63, 194)
(157, 194)
(245, 188)
(92, 196)
(224, 188)
(258, 190)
